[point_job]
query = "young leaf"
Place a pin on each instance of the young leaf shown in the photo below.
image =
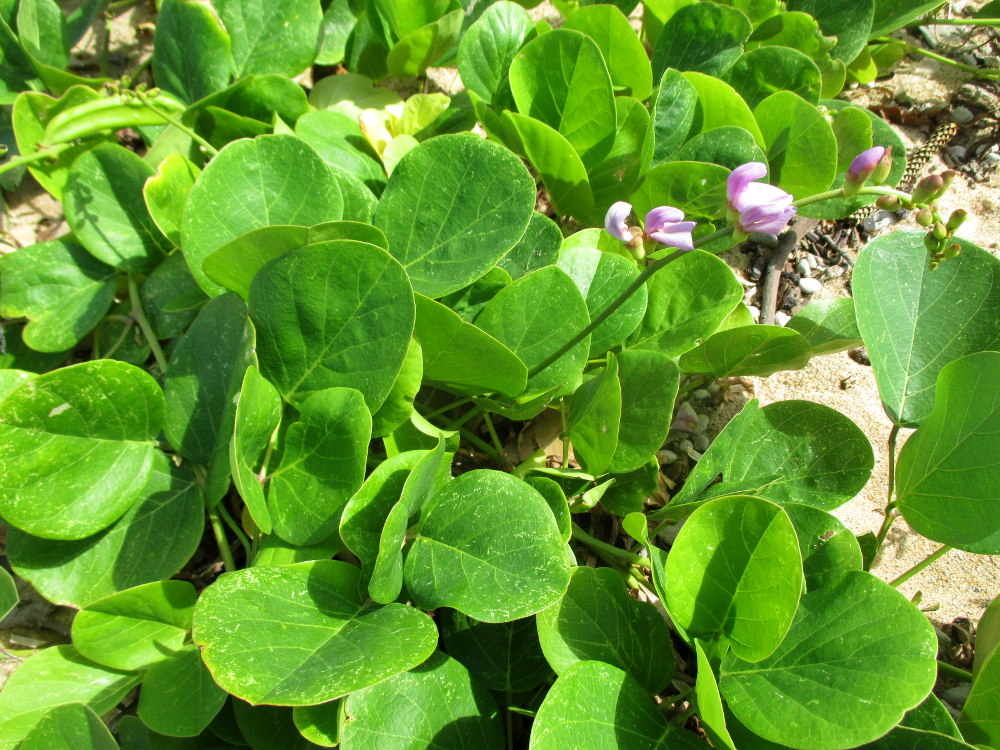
(271, 36)
(136, 628)
(360, 312)
(322, 465)
(471, 551)
(61, 287)
(596, 620)
(151, 542)
(737, 573)
(946, 472)
(436, 704)
(921, 322)
(106, 211)
(596, 705)
(191, 53)
(446, 245)
(310, 638)
(73, 726)
(179, 698)
(859, 649)
(77, 446)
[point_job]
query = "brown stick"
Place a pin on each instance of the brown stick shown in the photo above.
(769, 288)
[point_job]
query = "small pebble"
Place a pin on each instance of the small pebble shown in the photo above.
(700, 443)
(713, 388)
(803, 268)
(782, 318)
(958, 153)
(961, 115)
(970, 60)
(666, 456)
(879, 220)
(767, 240)
(754, 313)
(957, 695)
(991, 158)
(701, 394)
(810, 286)
(834, 272)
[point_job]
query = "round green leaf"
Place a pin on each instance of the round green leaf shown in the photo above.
(749, 350)
(62, 288)
(946, 474)
(179, 698)
(800, 145)
(767, 70)
(737, 572)
(433, 705)
(856, 658)
(272, 179)
(73, 726)
(538, 247)
(136, 628)
(77, 446)
(596, 620)
(271, 36)
(696, 188)
(453, 207)
(624, 54)
(296, 635)
(106, 210)
(327, 319)
(728, 147)
(915, 326)
(151, 542)
(488, 48)
(471, 552)
(501, 655)
(338, 139)
(848, 20)
(829, 549)
(599, 707)
(191, 53)
(648, 389)
(703, 37)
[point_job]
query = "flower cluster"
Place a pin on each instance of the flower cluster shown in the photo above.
(756, 206)
(664, 224)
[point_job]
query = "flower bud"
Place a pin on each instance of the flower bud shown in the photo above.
(933, 265)
(928, 189)
(888, 202)
(932, 243)
(947, 177)
(940, 230)
(952, 250)
(882, 169)
(957, 218)
(924, 217)
(861, 169)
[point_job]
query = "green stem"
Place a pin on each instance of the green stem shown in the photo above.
(262, 474)
(235, 528)
(980, 72)
(950, 670)
(674, 700)
(449, 407)
(493, 433)
(597, 545)
(839, 193)
(46, 153)
(218, 531)
(147, 329)
(209, 148)
(931, 558)
(564, 435)
(890, 506)
(989, 22)
(480, 443)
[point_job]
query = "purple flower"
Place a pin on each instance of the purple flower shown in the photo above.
(757, 206)
(665, 224)
(616, 221)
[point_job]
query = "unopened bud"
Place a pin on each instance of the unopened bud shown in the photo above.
(888, 202)
(957, 218)
(952, 250)
(933, 265)
(928, 188)
(947, 177)
(924, 217)
(882, 169)
(932, 243)
(940, 230)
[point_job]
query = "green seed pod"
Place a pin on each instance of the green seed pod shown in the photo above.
(108, 115)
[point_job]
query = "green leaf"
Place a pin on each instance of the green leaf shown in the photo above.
(824, 458)
(671, 118)
(578, 102)
(262, 727)
(403, 18)
(538, 247)
(648, 388)
(43, 32)
(829, 549)
(601, 278)
(921, 322)
(258, 414)
(614, 178)
(728, 147)
(859, 649)
(446, 245)
(360, 314)
(322, 465)
(311, 637)
(136, 628)
(235, 264)
(319, 724)
(800, 145)
(426, 478)
(170, 297)
(719, 105)
(594, 416)
(273, 179)
(987, 635)
(853, 130)
(618, 714)
(703, 37)
(709, 702)
(752, 350)
(946, 470)
(63, 289)
(626, 59)
(848, 20)
(795, 30)
(273, 550)
(434, 705)
(338, 23)
(106, 211)
(166, 192)
(153, 540)
(764, 71)
(488, 48)
(737, 573)
(557, 163)
(501, 656)
(77, 447)
(829, 325)
(339, 141)
(471, 551)
(350, 93)
(271, 36)
(179, 698)
(533, 317)
(688, 300)
(191, 53)
(596, 620)
(8, 594)
(696, 188)
(419, 50)
(979, 720)
(398, 405)
(56, 676)
(892, 14)
(73, 726)
(462, 357)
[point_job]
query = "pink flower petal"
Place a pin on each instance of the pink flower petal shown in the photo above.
(662, 215)
(615, 221)
(742, 176)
